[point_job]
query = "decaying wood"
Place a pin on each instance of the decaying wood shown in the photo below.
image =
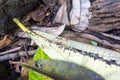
(102, 3)
(95, 21)
(105, 15)
(102, 11)
(105, 8)
(105, 27)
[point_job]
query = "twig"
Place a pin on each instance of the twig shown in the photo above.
(26, 50)
(13, 55)
(10, 51)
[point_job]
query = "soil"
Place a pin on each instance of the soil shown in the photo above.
(5, 70)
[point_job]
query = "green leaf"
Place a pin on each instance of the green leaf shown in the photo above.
(40, 54)
(61, 70)
(103, 61)
(92, 57)
(35, 75)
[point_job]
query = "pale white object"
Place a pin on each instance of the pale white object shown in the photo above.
(62, 16)
(79, 14)
(51, 30)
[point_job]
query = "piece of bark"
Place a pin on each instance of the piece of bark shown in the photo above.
(106, 15)
(94, 21)
(100, 6)
(104, 1)
(107, 10)
(104, 27)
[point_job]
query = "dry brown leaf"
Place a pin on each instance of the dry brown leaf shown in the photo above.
(5, 41)
(37, 15)
(24, 74)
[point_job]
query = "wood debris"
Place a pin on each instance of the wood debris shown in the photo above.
(105, 15)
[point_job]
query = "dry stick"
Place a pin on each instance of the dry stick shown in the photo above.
(10, 51)
(13, 55)
(26, 50)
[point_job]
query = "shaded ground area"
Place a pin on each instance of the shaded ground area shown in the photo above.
(5, 70)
